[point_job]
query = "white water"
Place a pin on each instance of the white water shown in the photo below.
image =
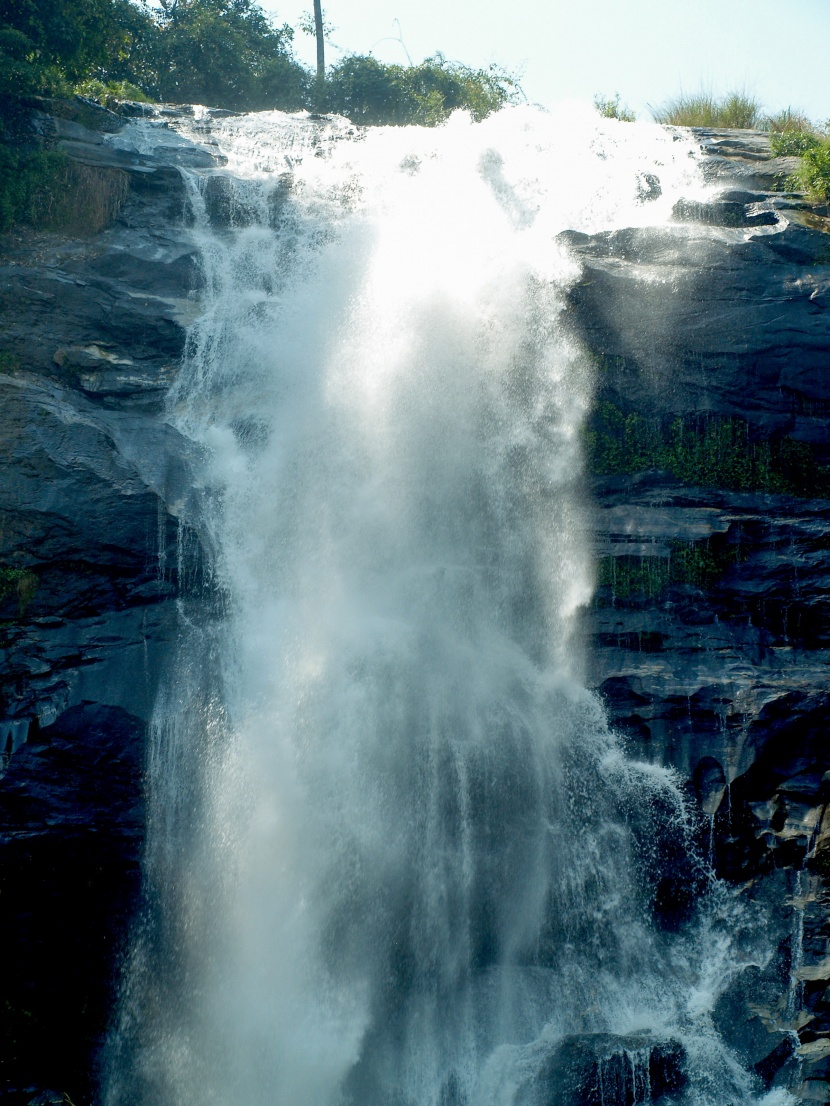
(395, 853)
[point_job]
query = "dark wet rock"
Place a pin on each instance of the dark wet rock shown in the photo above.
(93, 563)
(605, 1070)
(648, 187)
(723, 213)
(771, 1067)
(69, 882)
(734, 143)
(747, 1017)
(710, 626)
(229, 202)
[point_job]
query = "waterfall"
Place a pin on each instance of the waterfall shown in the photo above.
(395, 856)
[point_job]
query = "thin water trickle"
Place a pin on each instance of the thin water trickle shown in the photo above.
(395, 856)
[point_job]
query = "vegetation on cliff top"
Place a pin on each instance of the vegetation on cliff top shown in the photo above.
(813, 174)
(792, 134)
(704, 109)
(611, 107)
(223, 53)
(790, 129)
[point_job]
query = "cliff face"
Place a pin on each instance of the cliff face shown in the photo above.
(709, 447)
(92, 563)
(710, 460)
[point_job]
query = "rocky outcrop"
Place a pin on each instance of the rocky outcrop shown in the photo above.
(93, 562)
(709, 631)
(594, 1069)
(71, 833)
(92, 329)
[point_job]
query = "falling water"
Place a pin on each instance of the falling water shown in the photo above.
(395, 856)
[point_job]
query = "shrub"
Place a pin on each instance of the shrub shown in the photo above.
(223, 53)
(611, 108)
(793, 143)
(704, 109)
(813, 174)
(44, 42)
(108, 93)
(369, 92)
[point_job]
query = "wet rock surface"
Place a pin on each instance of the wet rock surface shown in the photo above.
(600, 1069)
(710, 627)
(92, 564)
(71, 833)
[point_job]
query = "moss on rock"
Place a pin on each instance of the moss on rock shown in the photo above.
(703, 451)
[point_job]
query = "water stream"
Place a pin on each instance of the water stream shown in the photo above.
(395, 857)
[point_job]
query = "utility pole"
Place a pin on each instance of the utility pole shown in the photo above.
(321, 49)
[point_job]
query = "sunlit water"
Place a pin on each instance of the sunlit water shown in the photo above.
(394, 852)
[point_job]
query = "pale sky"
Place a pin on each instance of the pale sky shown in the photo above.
(647, 50)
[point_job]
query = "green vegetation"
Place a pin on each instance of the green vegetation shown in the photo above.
(19, 582)
(704, 109)
(45, 45)
(43, 188)
(110, 93)
(366, 91)
(788, 119)
(611, 108)
(793, 143)
(791, 132)
(813, 174)
(696, 564)
(223, 53)
(708, 451)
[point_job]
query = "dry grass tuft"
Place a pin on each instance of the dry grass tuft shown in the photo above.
(80, 199)
(704, 109)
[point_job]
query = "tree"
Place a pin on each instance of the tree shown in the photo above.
(227, 53)
(369, 92)
(43, 41)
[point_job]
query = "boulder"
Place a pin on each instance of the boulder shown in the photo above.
(601, 1069)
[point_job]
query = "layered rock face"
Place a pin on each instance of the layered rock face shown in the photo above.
(710, 467)
(709, 449)
(92, 564)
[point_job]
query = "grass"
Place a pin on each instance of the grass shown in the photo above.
(704, 109)
(793, 143)
(46, 190)
(792, 134)
(788, 120)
